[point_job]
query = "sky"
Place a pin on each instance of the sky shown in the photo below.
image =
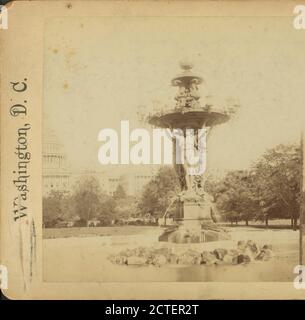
(99, 70)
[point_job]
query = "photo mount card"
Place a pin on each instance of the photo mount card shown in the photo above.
(152, 150)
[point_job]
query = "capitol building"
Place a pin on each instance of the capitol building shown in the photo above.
(58, 176)
(54, 165)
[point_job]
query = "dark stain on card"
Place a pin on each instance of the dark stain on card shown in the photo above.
(66, 85)
(32, 248)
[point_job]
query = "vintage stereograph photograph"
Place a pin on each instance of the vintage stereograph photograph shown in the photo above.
(114, 208)
(166, 147)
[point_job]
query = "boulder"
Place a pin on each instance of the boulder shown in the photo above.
(248, 252)
(241, 246)
(127, 253)
(269, 253)
(247, 258)
(150, 259)
(235, 260)
(220, 253)
(267, 246)
(260, 256)
(134, 260)
(190, 257)
(253, 248)
(230, 259)
(159, 260)
(172, 258)
(233, 252)
(264, 255)
(117, 259)
(140, 251)
(186, 260)
(208, 258)
(197, 260)
(243, 258)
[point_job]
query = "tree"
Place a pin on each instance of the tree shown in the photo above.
(119, 193)
(159, 193)
(271, 189)
(277, 176)
(107, 209)
(125, 207)
(87, 198)
(234, 196)
(57, 205)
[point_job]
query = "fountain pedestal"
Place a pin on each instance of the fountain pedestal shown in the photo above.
(196, 224)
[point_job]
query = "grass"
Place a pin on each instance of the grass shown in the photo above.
(49, 233)
(272, 224)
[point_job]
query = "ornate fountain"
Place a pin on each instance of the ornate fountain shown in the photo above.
(195, 220)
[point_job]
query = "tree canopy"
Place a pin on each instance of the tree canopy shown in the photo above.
(270, 189)
(159, 193)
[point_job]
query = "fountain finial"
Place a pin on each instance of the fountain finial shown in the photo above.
(186, 65)
(187, 77)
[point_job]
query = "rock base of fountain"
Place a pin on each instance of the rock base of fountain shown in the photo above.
(244, 252)
(185, 235)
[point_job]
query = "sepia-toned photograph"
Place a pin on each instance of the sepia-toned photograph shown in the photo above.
(152, 150)
(120, 95)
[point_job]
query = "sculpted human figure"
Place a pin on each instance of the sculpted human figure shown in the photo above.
(188, 180)
(181, 95)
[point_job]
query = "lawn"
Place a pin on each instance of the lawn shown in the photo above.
(50, 233)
